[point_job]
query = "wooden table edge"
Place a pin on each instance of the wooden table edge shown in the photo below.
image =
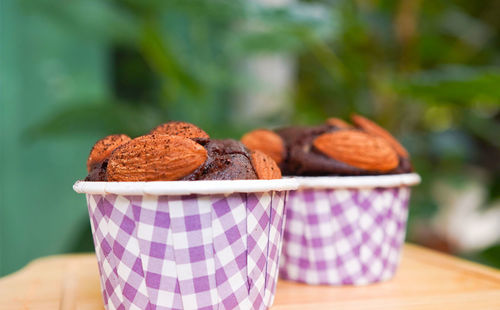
(68, 263)
(430, 256)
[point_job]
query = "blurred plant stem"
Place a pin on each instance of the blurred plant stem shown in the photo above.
(406, 29)
(157, 52)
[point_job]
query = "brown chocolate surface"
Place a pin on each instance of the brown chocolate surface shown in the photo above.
(304, 160)
(227, 160)
(98, 171)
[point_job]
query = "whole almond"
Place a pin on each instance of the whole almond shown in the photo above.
(265, 167)
(103, 148)
(339, 123)
(374, 129)
(358, 149)
(155, 158)
(266, 141)
(183, 129)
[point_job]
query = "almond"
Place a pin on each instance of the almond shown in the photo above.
(374, 129)
(266, 141)
(358, 149)
(155, 158)
(339, 123)
(103, 148)
(183, 129)
(265, 167)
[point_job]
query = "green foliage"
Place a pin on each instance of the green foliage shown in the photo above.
(109, 117)
(426, 70)
(459, 84)
(192, 49)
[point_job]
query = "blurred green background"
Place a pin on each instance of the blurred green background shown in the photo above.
(73, 72)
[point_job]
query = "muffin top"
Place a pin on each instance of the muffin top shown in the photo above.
(334, 148)
(176, 151)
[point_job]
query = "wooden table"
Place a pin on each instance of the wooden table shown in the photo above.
(425, 280)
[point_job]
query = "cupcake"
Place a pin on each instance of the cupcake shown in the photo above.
(346, 223)
(183, 221)
(176, 151)
(334, 148)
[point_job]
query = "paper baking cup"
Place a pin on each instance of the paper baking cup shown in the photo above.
(187, 245)
(345, 230)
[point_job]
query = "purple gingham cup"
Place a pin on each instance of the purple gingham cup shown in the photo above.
(345, 230)
(187, 245)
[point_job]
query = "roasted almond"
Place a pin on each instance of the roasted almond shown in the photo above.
(103, 148)
(339, 123)
(266, 141)
(358, 149)
(183, 129)
(265, 167)
(155, 158)
(374, 129)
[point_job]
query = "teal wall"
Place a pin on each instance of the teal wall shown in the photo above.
(42, 68)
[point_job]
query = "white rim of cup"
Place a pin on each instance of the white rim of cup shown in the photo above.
(244, 186)
(185, 187)
(368, 181)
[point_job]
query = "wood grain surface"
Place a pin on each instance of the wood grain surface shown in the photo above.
(425, 280)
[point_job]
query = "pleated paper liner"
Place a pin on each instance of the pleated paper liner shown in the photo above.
(345, 230)
(187, 245)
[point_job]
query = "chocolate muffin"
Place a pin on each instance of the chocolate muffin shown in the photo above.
(176, 151)
(338, 148)
(304, 159)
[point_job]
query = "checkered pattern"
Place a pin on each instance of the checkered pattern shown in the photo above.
(188, 252)
(344, 236)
